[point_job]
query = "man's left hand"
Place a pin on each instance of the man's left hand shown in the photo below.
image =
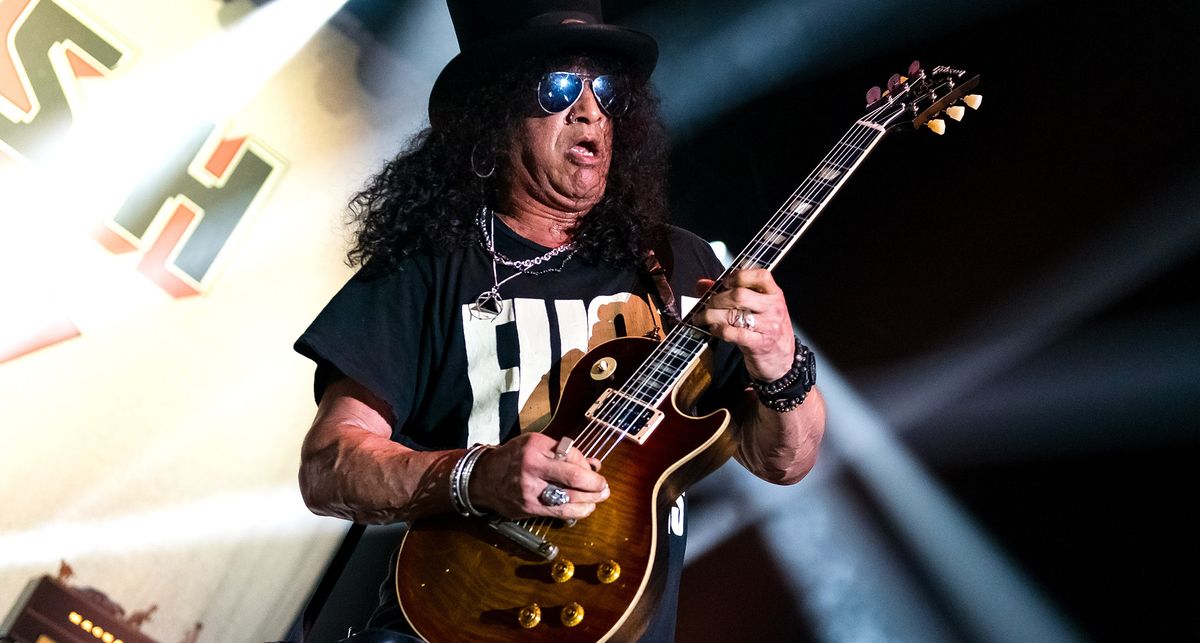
(751, 313)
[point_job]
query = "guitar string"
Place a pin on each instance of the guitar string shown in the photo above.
(591, 441)
(849, 151)
(782, 222)
(851, 148)
(755, 252)
(846, 150)
(864, 134)
(848, 147)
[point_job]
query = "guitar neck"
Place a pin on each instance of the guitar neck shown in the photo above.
(790, 221)
(662, 370)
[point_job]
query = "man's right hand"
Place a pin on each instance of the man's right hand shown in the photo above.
(510, 478)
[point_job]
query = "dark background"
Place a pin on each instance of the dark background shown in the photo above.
(1080, 458)
(1047, 246)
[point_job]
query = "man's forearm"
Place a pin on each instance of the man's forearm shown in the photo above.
(349, 473)
(781, 447)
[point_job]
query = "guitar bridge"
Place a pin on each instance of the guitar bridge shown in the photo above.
(528, 540)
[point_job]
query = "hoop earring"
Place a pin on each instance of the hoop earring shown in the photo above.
(475, 168)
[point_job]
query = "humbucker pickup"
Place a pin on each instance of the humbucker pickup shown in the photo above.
(620, 412)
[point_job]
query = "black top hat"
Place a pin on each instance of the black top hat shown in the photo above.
(492, 33)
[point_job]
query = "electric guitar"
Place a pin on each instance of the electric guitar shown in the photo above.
(543, 580)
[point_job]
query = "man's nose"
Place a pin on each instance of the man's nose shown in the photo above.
(587, 108)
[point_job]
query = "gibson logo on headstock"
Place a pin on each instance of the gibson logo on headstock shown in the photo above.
(950, 70)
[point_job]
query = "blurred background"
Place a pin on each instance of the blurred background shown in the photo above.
(1006, 330)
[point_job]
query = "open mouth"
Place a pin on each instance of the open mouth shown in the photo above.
(585, 148)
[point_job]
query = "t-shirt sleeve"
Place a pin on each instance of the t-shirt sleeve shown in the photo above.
(370, 332)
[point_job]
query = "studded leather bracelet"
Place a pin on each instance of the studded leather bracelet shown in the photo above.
(788, 392)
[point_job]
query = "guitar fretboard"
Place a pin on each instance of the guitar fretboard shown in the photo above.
(791, 220)
(662, 371)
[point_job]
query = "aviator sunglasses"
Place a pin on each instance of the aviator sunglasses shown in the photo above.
(558, 90)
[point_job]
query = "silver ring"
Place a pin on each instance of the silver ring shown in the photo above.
(742, 319)
(553, 496)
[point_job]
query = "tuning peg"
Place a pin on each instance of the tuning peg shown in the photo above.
(973, 100)
(873, 94)
(894, 83)
(937, 125)
(914, 68)
(957, 112)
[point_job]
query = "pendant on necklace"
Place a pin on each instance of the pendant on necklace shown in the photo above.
(488, 305)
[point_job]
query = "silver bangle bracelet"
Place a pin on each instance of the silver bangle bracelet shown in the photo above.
(460, 479)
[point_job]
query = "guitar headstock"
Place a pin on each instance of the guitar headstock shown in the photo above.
(918, 99)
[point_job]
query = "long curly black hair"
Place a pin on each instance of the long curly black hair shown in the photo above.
(427, 198)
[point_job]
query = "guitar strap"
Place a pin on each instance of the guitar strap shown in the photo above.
(333, 572)
(660, 275)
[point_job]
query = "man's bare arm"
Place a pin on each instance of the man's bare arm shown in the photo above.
(781, 447)
(350, 468)
(777, 447)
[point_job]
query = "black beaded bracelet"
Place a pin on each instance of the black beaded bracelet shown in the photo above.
(788, 392)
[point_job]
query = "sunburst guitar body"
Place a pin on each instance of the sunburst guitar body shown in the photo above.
(459, 579)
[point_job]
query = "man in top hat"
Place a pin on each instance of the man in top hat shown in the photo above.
(512, 235)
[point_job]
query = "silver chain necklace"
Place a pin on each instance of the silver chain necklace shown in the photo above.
(489, 304)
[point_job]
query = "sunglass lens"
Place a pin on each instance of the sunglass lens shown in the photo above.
(610, 95)
(558, 90)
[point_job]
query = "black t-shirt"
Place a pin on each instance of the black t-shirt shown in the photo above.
(452, 378)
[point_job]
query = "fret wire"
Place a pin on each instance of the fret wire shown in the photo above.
(812, 193)
(760, 248)
(856, 133)
(648, 386)
(809, 189)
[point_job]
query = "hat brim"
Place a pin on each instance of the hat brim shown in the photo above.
(637, 48)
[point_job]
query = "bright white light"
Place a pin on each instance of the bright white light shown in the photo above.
(722, 252)
(402, 70)
(126, 127)
(266, 513)
(1159, 237)
(859, 594)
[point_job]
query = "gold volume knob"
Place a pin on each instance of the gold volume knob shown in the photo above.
(572, 614)
(562, 570)
(603, 368)
(529, 616)
(608, 571)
